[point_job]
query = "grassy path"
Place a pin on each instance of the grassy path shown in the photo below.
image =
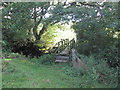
(29, 75)
(25, 74)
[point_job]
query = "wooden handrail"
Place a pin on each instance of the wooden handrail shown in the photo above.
(61, 45)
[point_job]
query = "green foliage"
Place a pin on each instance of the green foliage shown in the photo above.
(98, 75)
(74, 72)
(5, 46)
(99, 71)
(92, 38)
(95, 27)
(10, 54)
(44, 59)
(95, 32)
(47, 59)
(7, 67)
(48, 37)
(16, 23)
(110, 55)
(19, 20)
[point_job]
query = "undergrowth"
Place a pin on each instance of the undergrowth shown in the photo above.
(97, 75)
(46, 59)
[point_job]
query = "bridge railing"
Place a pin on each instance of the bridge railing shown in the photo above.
(61, 45)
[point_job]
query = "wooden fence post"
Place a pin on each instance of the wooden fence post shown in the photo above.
(77, 63)
(73, 58)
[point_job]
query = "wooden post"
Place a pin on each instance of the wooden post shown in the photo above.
(62, 46)
(77, 63)
(73, 58)
(58, 46)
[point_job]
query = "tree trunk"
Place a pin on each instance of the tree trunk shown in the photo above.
(38, 36)
(35, 31)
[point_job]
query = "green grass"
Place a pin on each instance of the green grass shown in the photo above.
(7, 59)
(29, 75)
(26, 74)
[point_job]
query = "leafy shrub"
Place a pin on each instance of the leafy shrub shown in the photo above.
(99, 71)
(73, 72)
(45, 59)
(5, 46)
(110, 55)
(12, 55)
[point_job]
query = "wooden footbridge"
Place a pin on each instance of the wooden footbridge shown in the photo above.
(62, 50)
(65, 51)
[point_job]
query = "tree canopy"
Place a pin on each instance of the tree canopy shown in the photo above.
(96, 24)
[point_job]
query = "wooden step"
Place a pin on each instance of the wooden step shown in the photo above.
(60, 61)
(63, 54)
(62, 57)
